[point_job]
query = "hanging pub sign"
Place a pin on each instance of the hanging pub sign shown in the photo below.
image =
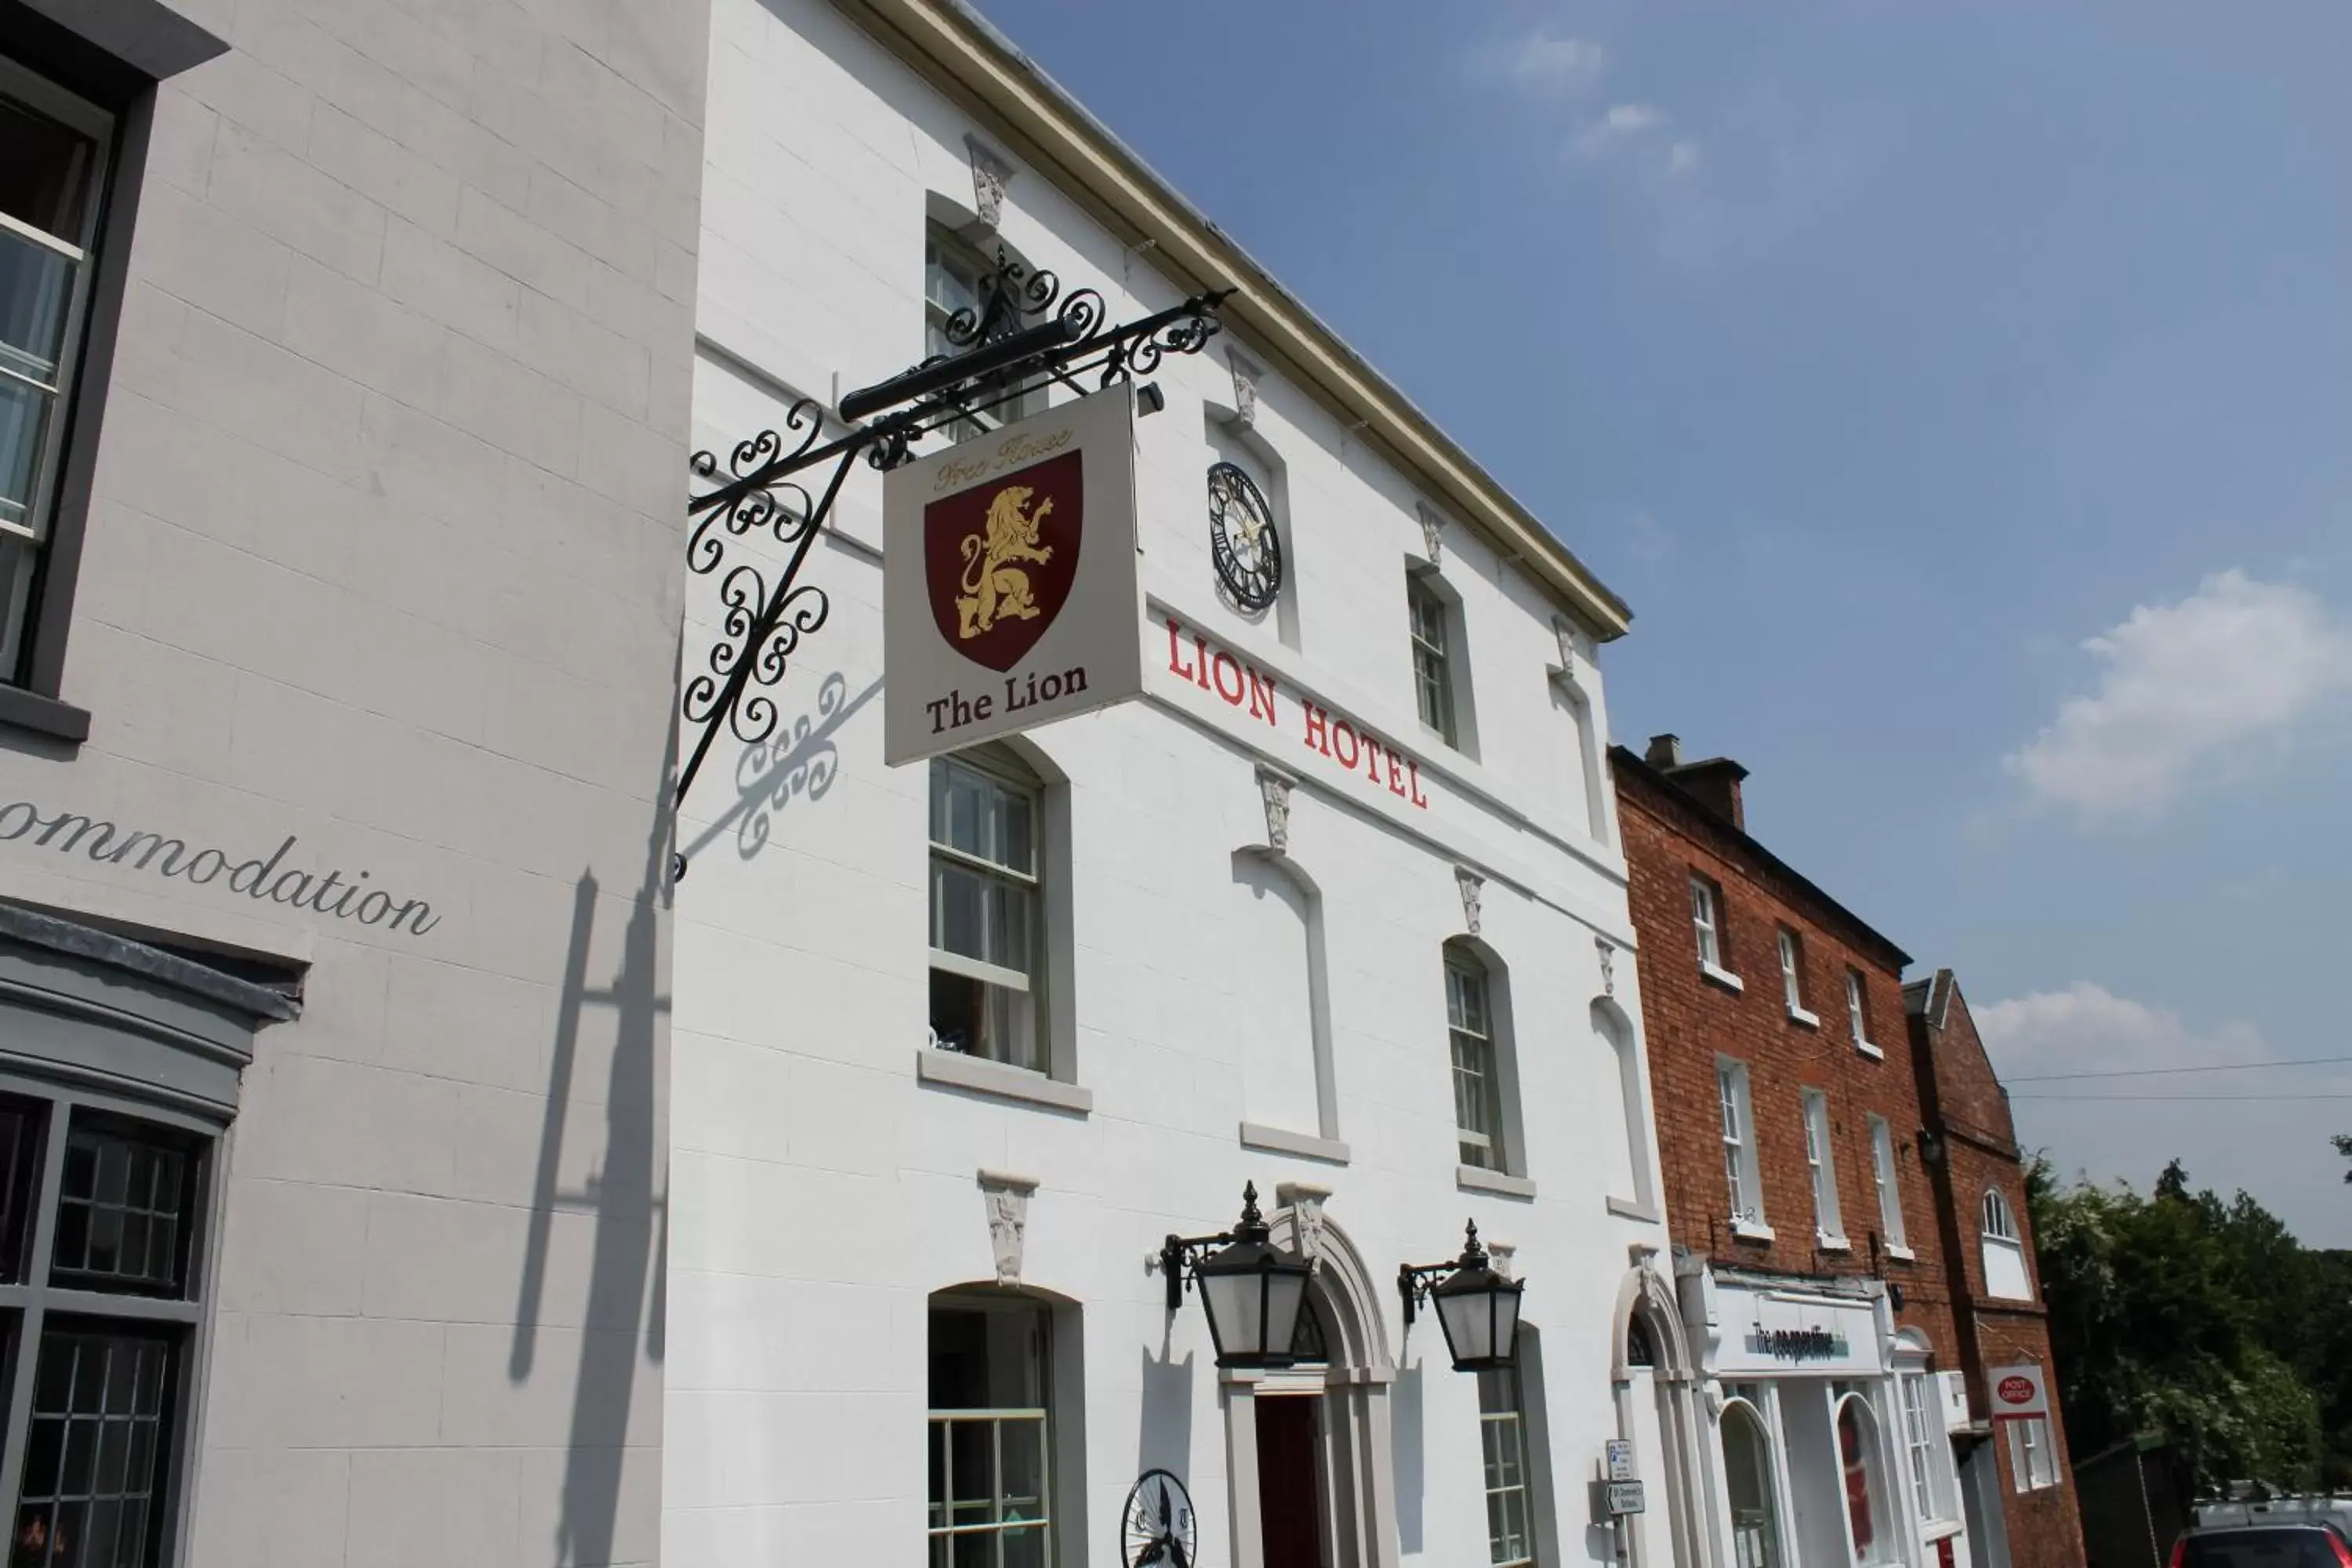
(1009, 595)
(2018, 1392)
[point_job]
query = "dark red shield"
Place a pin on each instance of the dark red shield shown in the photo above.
(999, 559)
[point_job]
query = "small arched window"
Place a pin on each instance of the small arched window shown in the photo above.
(1999, 1222)
(2004, 1253)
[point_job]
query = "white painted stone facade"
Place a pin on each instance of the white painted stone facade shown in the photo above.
(830, 1171)
(384, 555)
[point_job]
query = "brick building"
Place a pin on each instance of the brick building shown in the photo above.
(1810, 1259)
(1979, 1183)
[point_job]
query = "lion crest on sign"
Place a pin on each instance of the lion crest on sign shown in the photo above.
(993, 587)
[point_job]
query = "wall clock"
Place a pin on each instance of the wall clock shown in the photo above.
(1242, 540)
(1158, 1531)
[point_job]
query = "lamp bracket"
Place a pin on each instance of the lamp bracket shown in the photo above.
(1177, 1256)
(1415, 1280)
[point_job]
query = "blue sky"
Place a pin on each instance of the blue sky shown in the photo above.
(1962, 398)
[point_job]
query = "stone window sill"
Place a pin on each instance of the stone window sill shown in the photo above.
(1478, 1179)
(1832, 1244)
(1723, 978)
(23, 709)
(1275, 1141)
(1631, 1208)
(1900, 1253)
(1752, 1230)
(1809, 1019)
(955, 1070)
(1872, 1052)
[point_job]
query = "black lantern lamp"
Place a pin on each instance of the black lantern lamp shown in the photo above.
(1251, 1289)
(1477, 1308)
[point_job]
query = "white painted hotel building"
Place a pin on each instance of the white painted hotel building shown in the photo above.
(1336, 907)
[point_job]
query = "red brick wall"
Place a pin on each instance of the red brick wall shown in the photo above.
(1962, 1098)
(1689, 1020)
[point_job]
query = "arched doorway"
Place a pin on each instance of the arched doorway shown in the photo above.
(1310, 1465)
(1651, 1369)
(1748, 1477)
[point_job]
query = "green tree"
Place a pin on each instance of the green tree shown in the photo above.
(2344, 1147)
(2182, 1314)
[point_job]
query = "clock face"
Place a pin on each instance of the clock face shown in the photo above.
(1158, 1530)
(1241, 539)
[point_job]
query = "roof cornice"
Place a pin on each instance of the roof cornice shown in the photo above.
(957, 51)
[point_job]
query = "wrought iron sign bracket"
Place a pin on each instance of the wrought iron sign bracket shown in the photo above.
(1023, 333)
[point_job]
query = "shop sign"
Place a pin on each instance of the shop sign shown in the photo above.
(1815, 1343)
(281, 876)
(1009, 595)
(1377, 765)
(2018, 1392)
(1786, 1333)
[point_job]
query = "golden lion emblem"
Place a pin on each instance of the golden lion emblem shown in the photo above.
(994, 589)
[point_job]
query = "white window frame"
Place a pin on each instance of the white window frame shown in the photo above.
(1829, 1226)
(1857, 1012)
(2033, 1462)
(1999, 1220)
(1743, 1178)
(1930, 1450)
(938, 1521)
(1474, 1039)
(1502, 1426)
(1432, 658)
(1707, 931)
(1792, 979)
(1890, 1191)
(33, 531)
(1032, 983)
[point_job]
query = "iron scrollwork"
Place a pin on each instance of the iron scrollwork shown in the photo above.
(757, 499)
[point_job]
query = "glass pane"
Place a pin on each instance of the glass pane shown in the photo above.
(956, 915)
(20, 1141)
(24, 430)
(116, 1227)
(93, 1451)
(36, 286)
(45, 172)
(1024, 1469)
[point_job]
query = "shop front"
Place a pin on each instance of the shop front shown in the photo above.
(1829, 1425)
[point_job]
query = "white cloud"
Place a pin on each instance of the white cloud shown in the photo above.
(1620, 125)
(1682, 157)
(2088, 1028)
(2187, 691)
(1557, 60)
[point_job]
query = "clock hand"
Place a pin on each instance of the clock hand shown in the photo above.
(1166, 1523)
(1176, 1548)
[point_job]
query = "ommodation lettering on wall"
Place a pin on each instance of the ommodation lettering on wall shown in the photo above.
(260, 877)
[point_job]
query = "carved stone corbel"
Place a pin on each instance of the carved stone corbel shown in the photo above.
(1246, 376)
(1274, 787)
(1432, 529)
(991, 172)
(1608, 953)
(1501, 1256)
(1473, 887)
(1304, 1201)
(1006, 1195)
